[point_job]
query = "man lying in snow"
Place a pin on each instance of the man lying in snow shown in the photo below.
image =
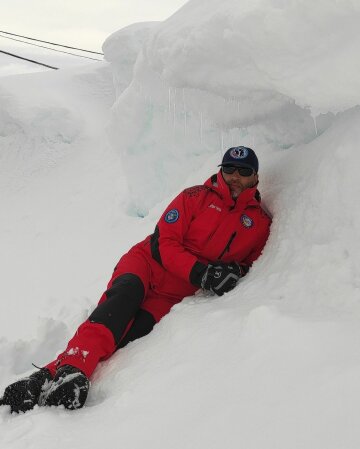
(207, 238)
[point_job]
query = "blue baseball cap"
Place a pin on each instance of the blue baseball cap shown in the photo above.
(241, 157)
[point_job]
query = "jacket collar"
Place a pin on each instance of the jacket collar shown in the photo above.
(246, 198)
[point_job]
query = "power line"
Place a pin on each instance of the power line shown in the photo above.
(51, 43)
(53, 49)
(30, 60)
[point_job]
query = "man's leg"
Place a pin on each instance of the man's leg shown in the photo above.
(24, 394)
(97, 338)
(142, 325)
(115, 322)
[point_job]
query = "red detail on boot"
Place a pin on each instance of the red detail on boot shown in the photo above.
(91, 343)
(51, 367)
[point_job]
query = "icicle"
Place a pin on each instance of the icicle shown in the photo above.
(174, 110)
(184, 110)
(315, 125)
(185, 124)
(169, 101)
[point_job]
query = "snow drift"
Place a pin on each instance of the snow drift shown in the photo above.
(214, 74)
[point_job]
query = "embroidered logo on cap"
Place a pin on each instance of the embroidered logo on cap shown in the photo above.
(246, 221)
(239, 153)
(172, 216)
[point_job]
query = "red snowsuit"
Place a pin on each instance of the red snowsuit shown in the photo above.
(201, 225)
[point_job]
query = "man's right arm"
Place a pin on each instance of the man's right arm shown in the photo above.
(167, 242)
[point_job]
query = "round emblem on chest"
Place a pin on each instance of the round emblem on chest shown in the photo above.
(246, 221)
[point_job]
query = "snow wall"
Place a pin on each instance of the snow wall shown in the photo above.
(215, 75)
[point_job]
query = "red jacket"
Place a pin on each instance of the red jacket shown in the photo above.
(204, 224)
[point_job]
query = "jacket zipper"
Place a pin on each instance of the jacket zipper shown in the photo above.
(227, 247)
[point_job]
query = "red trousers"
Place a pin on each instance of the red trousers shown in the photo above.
(94, 342)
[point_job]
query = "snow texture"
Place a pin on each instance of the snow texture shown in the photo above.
(90, 157)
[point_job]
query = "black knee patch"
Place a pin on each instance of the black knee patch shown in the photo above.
(143, 324)
(123, 300)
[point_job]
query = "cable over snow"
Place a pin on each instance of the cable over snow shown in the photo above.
(90, 157)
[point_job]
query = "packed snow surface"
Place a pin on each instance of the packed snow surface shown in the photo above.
(90, 157)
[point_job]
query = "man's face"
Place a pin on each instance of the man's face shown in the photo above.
(238, 183)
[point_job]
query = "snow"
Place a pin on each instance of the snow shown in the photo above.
(90, 157)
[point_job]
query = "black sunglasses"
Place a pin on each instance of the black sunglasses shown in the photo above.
(243, 171)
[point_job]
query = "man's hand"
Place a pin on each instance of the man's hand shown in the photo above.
(222, 277)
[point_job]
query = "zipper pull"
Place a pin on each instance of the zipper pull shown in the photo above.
(227, 247)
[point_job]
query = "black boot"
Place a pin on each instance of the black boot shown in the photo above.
(69, 388)
(24, 394)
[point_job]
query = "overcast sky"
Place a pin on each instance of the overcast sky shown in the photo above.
(78, 23)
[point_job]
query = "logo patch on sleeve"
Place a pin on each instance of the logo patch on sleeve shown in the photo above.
(172, 216)
(246, 221)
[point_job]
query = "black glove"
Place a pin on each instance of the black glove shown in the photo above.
(221, 277)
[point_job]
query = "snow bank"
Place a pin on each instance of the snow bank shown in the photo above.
(214, 75)
(121, 49)
(52, 143)
(42, 119)
(296, 48)
(312, 192)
